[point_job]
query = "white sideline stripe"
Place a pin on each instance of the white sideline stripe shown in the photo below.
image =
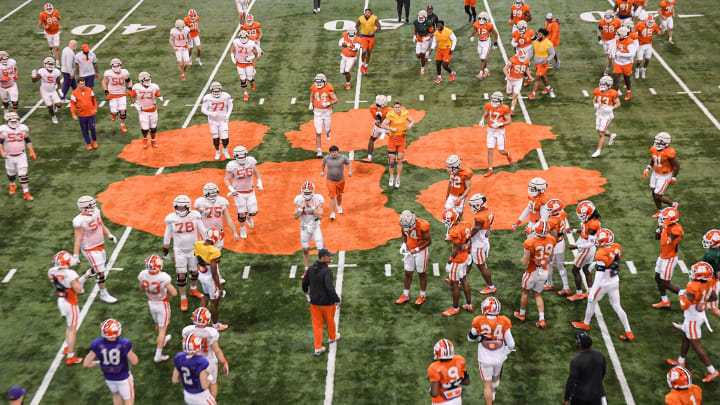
(631, 267)
(603, 327)
(16, 9)
(330, 378)
(485, 96)
(106, 36)
(261, 101)
(388, 269)
(453, 97)
(351, 155)
(358, 81)
(166, 103)
(683, 266)
(422, 98)
(293, 100)
(652, 91)
(293, 270)
(585, 93)
(246, 272)
(102, 104)
(436, 270)
(10, 274)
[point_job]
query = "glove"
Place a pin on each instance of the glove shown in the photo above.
(414, 39)
(161, 98)
(646, 172)
(32, 154)
(166, 254)
(259, 185)
(326, 104)
(34, 73)
(310, 107)
(482, 123)
(307, 296)
(107, 92)
(472, 39)
(495, 45)
(596, 105)
(458, 202)
(403, 249)
(75, 260)
(250, 58)
(112, 238)
(232, 58)
(673, 180)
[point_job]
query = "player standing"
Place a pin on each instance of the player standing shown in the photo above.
(51, 22)
(243, 54)
(208, 258)
(182, 226)
(8, 83)
(49, 85)
(605, 101)
(214, 209)
(397, 122)
(536, 209)
(447, 374)
(666, 9)
(459, 235)
(544, 52)
(115, 353)
(682, 390)
(239, 180)
(607, 28)
(458, 186)
(209, 347)
(422, 36)
(589, 227)
(322, 98)
(14, 137)
(195, 375)
(519, 11)
(218, 106)
(416, 239)
(116, 81)
(67, 287)
(669, 232)
(552, 25)
(624, 51)
(470, 10)
(368, 25)
(665, 167)
(180, 40)
(484, 28)
(645, 30)
(624, 10)
(444, 40)
(243, 7)
(309, 208)
(192, 21)
(350, 44)
(145, 92)
(253, 29)
(480, 238)
(156, 284)
(557, 226)
(335, 163)
(515, 70)
(498, 116)
(538, 251)
(379, 112)
(711, 242)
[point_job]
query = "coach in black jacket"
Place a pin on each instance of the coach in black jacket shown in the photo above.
(585, 383)
(323, 299)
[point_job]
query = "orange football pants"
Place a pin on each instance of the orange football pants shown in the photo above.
(322, 314)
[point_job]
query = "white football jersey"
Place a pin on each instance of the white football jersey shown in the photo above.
(116, 81)
(208, 335)
(243, 51)
(8, 71)
(145, 96)
(14, 139)
(217, 108)
(307, 216)
(242, 175)
(180, 37)
(183, 230)
(48, 79)
(156, 284)
(63, 275)
(212, 212)
(93, 229)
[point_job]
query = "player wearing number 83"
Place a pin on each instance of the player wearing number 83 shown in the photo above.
(156, 284)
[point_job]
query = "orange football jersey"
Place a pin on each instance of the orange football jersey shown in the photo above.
(553, 28)
(700, 292)
(349, 49)
(484, 30)
(535, 204)
(667, 7)
(497, 114)
(669, 248)
(641, 3)
(541, 251)
(622, 45)
(518, 13)
(518, 68)
(625, 7)
(459, 234)
(606, 97)
(193, 25)
(51, 21)
(690, 396)
(645, 34)
(591, 227)
(523, 40)
(252, 30)
(661, 160)
(321, 95)
(449, 374)
(557, 222)
(414, 236)
(484, 219)
(457, 181)
(607, 255)
(609, 28)
(383, 112)
(492, 330)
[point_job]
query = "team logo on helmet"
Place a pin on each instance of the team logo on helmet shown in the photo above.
(308, 190)
(154, 264)
(62, 259)
(585, 210)
(443, 350)
(110, 328)
(201, 316)
(191, 344)
(490, 306)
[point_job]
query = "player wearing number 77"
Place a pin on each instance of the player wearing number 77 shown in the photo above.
(538, 251)
(156, 284)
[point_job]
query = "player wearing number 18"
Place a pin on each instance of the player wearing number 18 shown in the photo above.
(447, 374)
(115, 353)
(538, 253)
(192, 371)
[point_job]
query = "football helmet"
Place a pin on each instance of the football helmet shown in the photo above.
(191, 344)
(490, 306)
(522, 26)
(320, 80)
(443, 350)
(650, 21)
(669, 216)
(496, 99)
(154, 264)
(540, 228)
(452, 163)
(308, 190)
(49, 8)
(483, 17)
(711, 239)
(380, 101)
(701, 271)
(216, 89)
(49, 63)
(213, 234)
(519, 2)
(679, 378)
(249, 19)
(408, 220)
(13, 119)
(662, 140)
(351, 32)
(179, 24)
(605, 83)
(536, 186)
(110, 328)
(201, 316)
(62, 259)
(584, 210)
(182, 205)
(116, 65)
(86, 204)
(623, 32)
(4, 58)
(145, 79)
(629, 25)
(244, 36)
(555, 205)
(192, 14)
(477, 202)
(211, 192)
(449, 217)
(609, 15)
(240, 154)
(605, 237)
(422, 16)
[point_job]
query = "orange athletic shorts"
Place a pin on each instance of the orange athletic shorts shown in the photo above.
(367, 42)
(471, 3)
(443, 55)
(396, 143)
(626, 70)
(336, 188)
(541, 69)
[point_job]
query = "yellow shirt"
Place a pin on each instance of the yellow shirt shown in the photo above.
(443, 38)
(206, 253)
(541, 48)
(367, 25)
(398, 121)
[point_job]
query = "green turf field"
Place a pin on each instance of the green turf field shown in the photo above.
(385, 349)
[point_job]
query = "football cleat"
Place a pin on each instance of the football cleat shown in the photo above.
(182, 205)
(477, 202)
(662, 304)
(451, 311)
(443, 349)
(468, 307)
(110, 328)
(438, 80)
(577, 297)
(531, 96)
(518, 316)
(564, 292)
(710, 376)
(488, 290)
(220, 326)
(191, 344)
(182, 77)
(73, 360)
(183, 304)
(195, 293)
(320, 80)
(94, 144)
(28, 196)
(548, 288)
(452, 77)
(488, 173)
(246, 97)
(320, 351)
(674, 362)
(581, 325)
(250, 222)
(628, 95)
(541, 324)
(627, 336)
(161, 358)
(420, 300)
(243, 233)
(403, 299)
(337, 337)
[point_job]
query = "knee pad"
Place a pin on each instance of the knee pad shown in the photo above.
(194, 276)
(24, 180)
(181, 280)
(216, 142)
(241, 218)
(6, 105)
(11, 178)
(153, 130)
(99, 278)
(252, 214)
(144, 132)
(15, 104)
(225, 142)
(243, 83)
(123, 115)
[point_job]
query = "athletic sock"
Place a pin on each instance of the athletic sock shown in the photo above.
(522, 312)
(664, 298)
(158, 352)
(711, 369)
(578, 292)
(542, 315)
(422, 293)
(406, 293)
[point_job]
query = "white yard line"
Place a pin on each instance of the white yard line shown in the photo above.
(246, 272)
(166, 103)
(293, 271)
(10, 274)
(422, 98)
(388, 269)
(293, 100)
(585, 93)
(683, 266)
(436, 270)
(332, 355)
(485, 96)
(358, 78)
(15, 10)
(261, 101)
(652, 91)
(453, 97)
(631, 267)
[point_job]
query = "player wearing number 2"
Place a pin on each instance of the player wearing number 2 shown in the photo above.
(156, 284)
(537, 255)
(209, 346)
(192, 371)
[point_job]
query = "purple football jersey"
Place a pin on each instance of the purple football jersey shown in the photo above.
(190, 369)
(113, 357)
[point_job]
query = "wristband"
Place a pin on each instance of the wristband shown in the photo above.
(107, 92)
(224, 362)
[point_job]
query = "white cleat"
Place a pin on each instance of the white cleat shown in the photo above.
(332, 216)
(637, 73)
(226, 154)
(339, 209)
(243, 233)
(167, 339)
(612, 139)
(106, 297)
(397, 182)
(217, 155)
(197, 60)
(319, 153)
(642, 74)
(337, 337)
(161, 358)
(391, 182)
(596, 153)
(250, 222)
(54, 119)
(327, 136)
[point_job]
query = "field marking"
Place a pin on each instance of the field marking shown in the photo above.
(453, 97)
(15, 10)
(683, 266)
(436, 270)
(246, 272)
(652, 91)
(422, 98)
(102, 104)
(601, 321)
(332, 355)
(10, 274)
(389, 98)
(355, 102)
(388, 269)
(485, 96)
(631, 267)
(293, 100)
(346, 265)
(689, 92)
(351, 155)
(358, 83)
(166, 103)
(585, 93)
(261, 101)
(293, 270)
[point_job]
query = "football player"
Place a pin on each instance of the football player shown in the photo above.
(589, 227)
(557, 226)
(470, 10)
(538, 251)
(495, 342)
(208, 258)
(444, 40)
(51, 22)
(49, 86)
(214, 209)
(114, 353)
(239, 175)
(145, 92)
(605, 101)
(156, 284)
(484, 28)
(544, 52)
(669, 232)
(368, 25)
(397, 122)
(447, 374)
(350, 44)
(192, 21)
(666, 9)
(209, 347)
(116, 82)
(253, 29)
(13, 138)
(459, 235)
(552, 25)
(536, 209)
(416, 239)
(624, 54)
(607, 281)
(519, 11)
(480, 238)
(498, 116)
(624, 9)
(665, 168)
(711, 242)
(682, 390)
(645, 30)
(194, 369)
(379, 112)
(693, 300)
(182, 226)
(218, 106)
(522, 41)
(309, 208)
(90, 233)
(243, 7)
(180, 40)
(322, 98)
(422, 36)
(8, 83)
(243, 55)
(606, 31)
(515, 70)
(67, 287)
(458, 186)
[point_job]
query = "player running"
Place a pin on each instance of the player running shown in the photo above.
(519, 11)
(180, 40)
(49, 85)
(416, 239)
(243, 54)
(51, 22)
(209, 347)
(447, 374)
(669, 232)
(605, 101)
(538, 251)
(665, 168)
(422, 37)
(645, 30)
(379, 112)
(14, 137)
(484, 29)
(309, 209)
(208, 258)
(67, 287)
(322, 98)
(480, 238)
(607, 28)
(368, 25)
(350, 44)
(624, 53)
(515, 70)
(192, 21)
(195, 375)
(214, 209)
(666, 10)
(218, 106)
(444, 40)
(239, 175)
(498, 116)
(156, 284)
(253, 28)
(145, 93)
(8, 83)
(589, 228)
(116, 82)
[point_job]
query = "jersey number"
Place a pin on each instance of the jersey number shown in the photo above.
(602, 100)
(110, 357)
(93, 225)
(542, 253)
(215, 212)
(218, 106)
(146, 95)
(453, 388)
(154, 285)
(186, 376)
(497, 334)
(455, 181)
(117, 81)
(242, 173)
(519, 69)
(181, 227)
(657, 160)
(15, 136)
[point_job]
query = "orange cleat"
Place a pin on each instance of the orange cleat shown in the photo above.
(347, 86)
(122, 128)
(154, 144)
(112, 117)
(452, 77)
(627, 337)
(252, 85)
(12, 189)
(564, 292)
(246, 97)
(518, 316)
(27, 196)
(486, 74)
(452, 311)
(89, 147)
(182, 77)
(65, 351)
(531, 96)
(546, 90)
(628, 95)
(438, 80)
(468, 307)
(580, 325)
(420, 300)
(195, 293)
(541, 324)
(510, 159)
(403, 299)
(662, 304)
(488, 173)
(710, 376)
(549, 288)
(367, 159)
(144, 143)
(487, 290)
(447, 280)
(183, 304)
(479, 75)
(73, 360)
(577, 297)
(526, 82)
(221, 327)
(95, 144)
(657, 214)
(674, 362)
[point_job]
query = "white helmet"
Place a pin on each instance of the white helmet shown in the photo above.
(244, 36)
(240, 154)
(249, 19)
(629, 25)
(320, 80)
(308, 190)
(483, 17)
(49, 63)
(380, 100)
(86, 204)
(518, 2)
(179, 24)
(623, 32)
(522, 26)
(216, 89)
(477, 202)
(609, 15)
(13, 119)
(536, 186)
(145, 78)
(408, 220)
(422, 16)
(116, 65)
(351, 32)
(211, 192)
(49, 8)
(4, 57)
(662, 140)
(605, 83)
(649, 21)
(180, 202)
(452, 163)
(496, 99)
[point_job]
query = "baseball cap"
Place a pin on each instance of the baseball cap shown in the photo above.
(85, 48)
(548, 16)
(430, 7)
(16, 393)
(324, 252)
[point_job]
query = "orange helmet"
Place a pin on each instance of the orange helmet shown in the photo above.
(669, 216)
(191, 344)
(490, 306)
(555, 206)
(711, 239)
(449, 217)
(308, 190)
(153, 264)
(201, 316)
(192, 14)
(701, 271)
(249, 19)
(62, 259)
(585, 210)
(110, 328)
(679, 378)
(540, 228)
(605, 237)
(213, 234)
(443, 350)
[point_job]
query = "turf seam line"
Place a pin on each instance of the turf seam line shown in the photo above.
(246, 272)
(10, 274)
(332, 355)
(15, 10)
